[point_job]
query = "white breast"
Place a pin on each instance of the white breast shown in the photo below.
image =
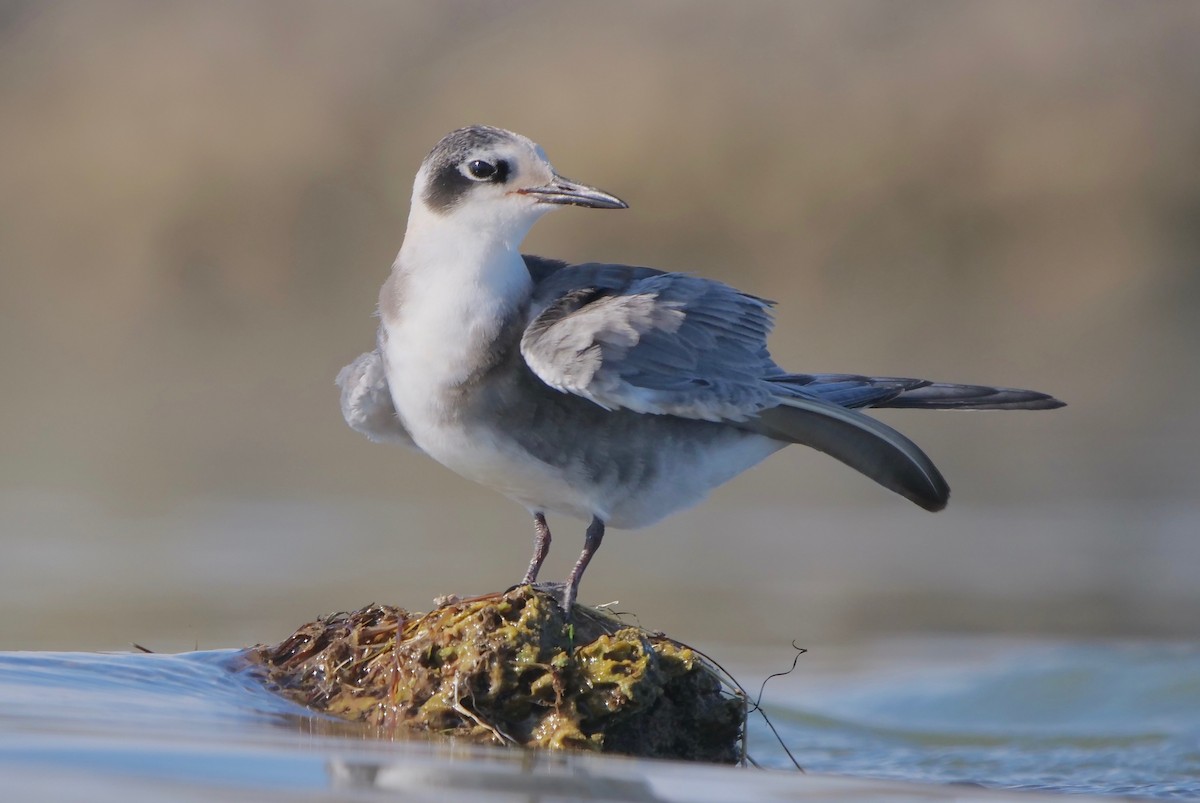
(437, 340)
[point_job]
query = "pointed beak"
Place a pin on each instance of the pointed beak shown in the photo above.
(564, 191)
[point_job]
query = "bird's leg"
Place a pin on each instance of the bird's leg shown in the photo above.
(541, 548)
(591, 542)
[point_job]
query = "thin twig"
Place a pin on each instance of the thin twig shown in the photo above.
(500, 735)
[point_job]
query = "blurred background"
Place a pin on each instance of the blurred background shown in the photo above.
(198, 203)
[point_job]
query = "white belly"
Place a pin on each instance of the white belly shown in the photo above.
(683, 476)
(490, 459)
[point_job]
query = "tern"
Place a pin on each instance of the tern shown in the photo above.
(610, 393)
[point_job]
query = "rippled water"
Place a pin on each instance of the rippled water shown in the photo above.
(1103, 719)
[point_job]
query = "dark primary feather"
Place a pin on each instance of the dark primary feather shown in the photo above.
(866, 445)
(850, 390)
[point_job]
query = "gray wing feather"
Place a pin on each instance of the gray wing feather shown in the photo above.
(367, 403)
(652, 342)
(851, 390)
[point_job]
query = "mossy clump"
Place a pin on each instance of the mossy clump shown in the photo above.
(508, 668)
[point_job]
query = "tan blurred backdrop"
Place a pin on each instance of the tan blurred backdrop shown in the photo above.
(199, 201)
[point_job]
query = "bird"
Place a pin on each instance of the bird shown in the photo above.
(609, 393)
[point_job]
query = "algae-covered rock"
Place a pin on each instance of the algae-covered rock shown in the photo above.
(508, 668)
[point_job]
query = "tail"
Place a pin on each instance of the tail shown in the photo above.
(862, 443)
(849, 390)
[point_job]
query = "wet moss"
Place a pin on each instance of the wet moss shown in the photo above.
(508, 668)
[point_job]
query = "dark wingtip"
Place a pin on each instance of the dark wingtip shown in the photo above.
(1027, 400)
(861, 442)
(933, 497)
(934, 503)
(951, 396)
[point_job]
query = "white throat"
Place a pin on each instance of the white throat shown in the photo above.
(464, 239)
(454, 287)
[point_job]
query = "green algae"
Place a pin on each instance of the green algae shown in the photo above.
(508, 668)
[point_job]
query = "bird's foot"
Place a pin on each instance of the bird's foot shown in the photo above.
(562, 593)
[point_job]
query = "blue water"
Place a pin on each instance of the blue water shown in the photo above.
(1102, 719)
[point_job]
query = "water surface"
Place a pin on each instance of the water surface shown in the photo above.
(1101, 718)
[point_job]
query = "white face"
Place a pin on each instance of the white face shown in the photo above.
(488, 177)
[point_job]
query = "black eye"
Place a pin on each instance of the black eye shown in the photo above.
(481, 170)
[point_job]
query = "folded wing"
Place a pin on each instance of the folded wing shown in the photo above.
(672, 344)
(652, 342)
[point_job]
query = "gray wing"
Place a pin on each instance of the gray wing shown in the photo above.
(671, 344)
(652, 342)
(367, 402)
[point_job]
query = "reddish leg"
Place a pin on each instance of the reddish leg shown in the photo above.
(541, 548)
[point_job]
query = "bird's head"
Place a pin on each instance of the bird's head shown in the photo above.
(491, 179)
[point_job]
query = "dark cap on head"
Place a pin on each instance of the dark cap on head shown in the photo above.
(447, 184)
